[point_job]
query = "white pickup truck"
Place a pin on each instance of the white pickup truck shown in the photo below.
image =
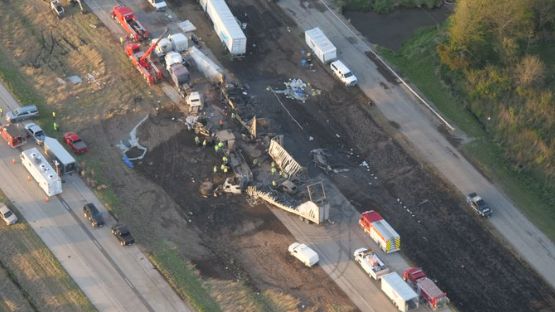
(304, 253)
(370, 263)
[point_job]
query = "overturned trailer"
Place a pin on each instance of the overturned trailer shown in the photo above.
(307, 211)
(205, 65)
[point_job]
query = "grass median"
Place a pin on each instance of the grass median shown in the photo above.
(35, 280)
(418, 62)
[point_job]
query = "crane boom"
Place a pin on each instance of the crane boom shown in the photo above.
(152, 47)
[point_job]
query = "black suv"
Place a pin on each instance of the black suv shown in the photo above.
(123, 235)
(93, 215)
(478, 204)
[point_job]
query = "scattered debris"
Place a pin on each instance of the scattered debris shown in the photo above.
(297, 89)
(186, 26)
(74, 79)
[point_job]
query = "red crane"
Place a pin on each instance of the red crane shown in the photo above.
(142, 61)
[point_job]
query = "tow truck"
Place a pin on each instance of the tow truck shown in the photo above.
(142, 61)
(126, 18)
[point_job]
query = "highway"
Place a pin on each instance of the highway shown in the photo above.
(420, 128)
(113, 277)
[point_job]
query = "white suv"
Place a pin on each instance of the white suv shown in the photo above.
(7, 215)
(343, 73)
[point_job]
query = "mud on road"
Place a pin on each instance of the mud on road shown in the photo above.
(439, 234)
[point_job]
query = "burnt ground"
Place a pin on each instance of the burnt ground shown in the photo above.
(246, 242)
(398, 23)
(439, 234)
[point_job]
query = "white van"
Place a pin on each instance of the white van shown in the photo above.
(304, 253)
(343, 73)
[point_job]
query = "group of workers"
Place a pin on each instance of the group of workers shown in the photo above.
(218, 148)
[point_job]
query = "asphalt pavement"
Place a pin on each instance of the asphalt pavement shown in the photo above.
(420, 127)
(113, 277)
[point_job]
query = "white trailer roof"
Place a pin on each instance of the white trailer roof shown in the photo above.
(320, 39)
(58, 150)
(228, 19)
(396, 282)
(385, 229)
(39, 162)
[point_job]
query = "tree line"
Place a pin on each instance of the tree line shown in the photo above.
(504, 52)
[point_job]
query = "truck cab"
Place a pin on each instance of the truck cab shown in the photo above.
(344, 74)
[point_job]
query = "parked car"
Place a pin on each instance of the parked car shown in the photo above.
(343, 73)
(75, 143)
(92, 214)
(7, 215)
(34, 131)
(478, 204)
(123, 235)
(304, 253)
(22, 113)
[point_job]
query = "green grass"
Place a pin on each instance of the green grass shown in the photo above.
(22, 90)
(32, 266)
(182, 277)
(417, 60)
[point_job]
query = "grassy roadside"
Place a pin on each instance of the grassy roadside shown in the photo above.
(417, 60)
(183, 279)
(32, 268)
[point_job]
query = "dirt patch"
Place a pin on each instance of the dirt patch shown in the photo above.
(393, 29)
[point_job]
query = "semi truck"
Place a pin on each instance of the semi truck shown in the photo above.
(425, 288)
(64, 163)
(380, 231)
(41, 171)
(177, 71)
(226, 26)
(320, 44)
(370, 263)
(402, 295)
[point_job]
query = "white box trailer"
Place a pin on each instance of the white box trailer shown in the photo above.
(226, 26)
(63, 162)
(41, 171)
(320, 45)
(402, 295)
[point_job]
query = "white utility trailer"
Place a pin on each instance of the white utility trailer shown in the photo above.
(48, 180)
